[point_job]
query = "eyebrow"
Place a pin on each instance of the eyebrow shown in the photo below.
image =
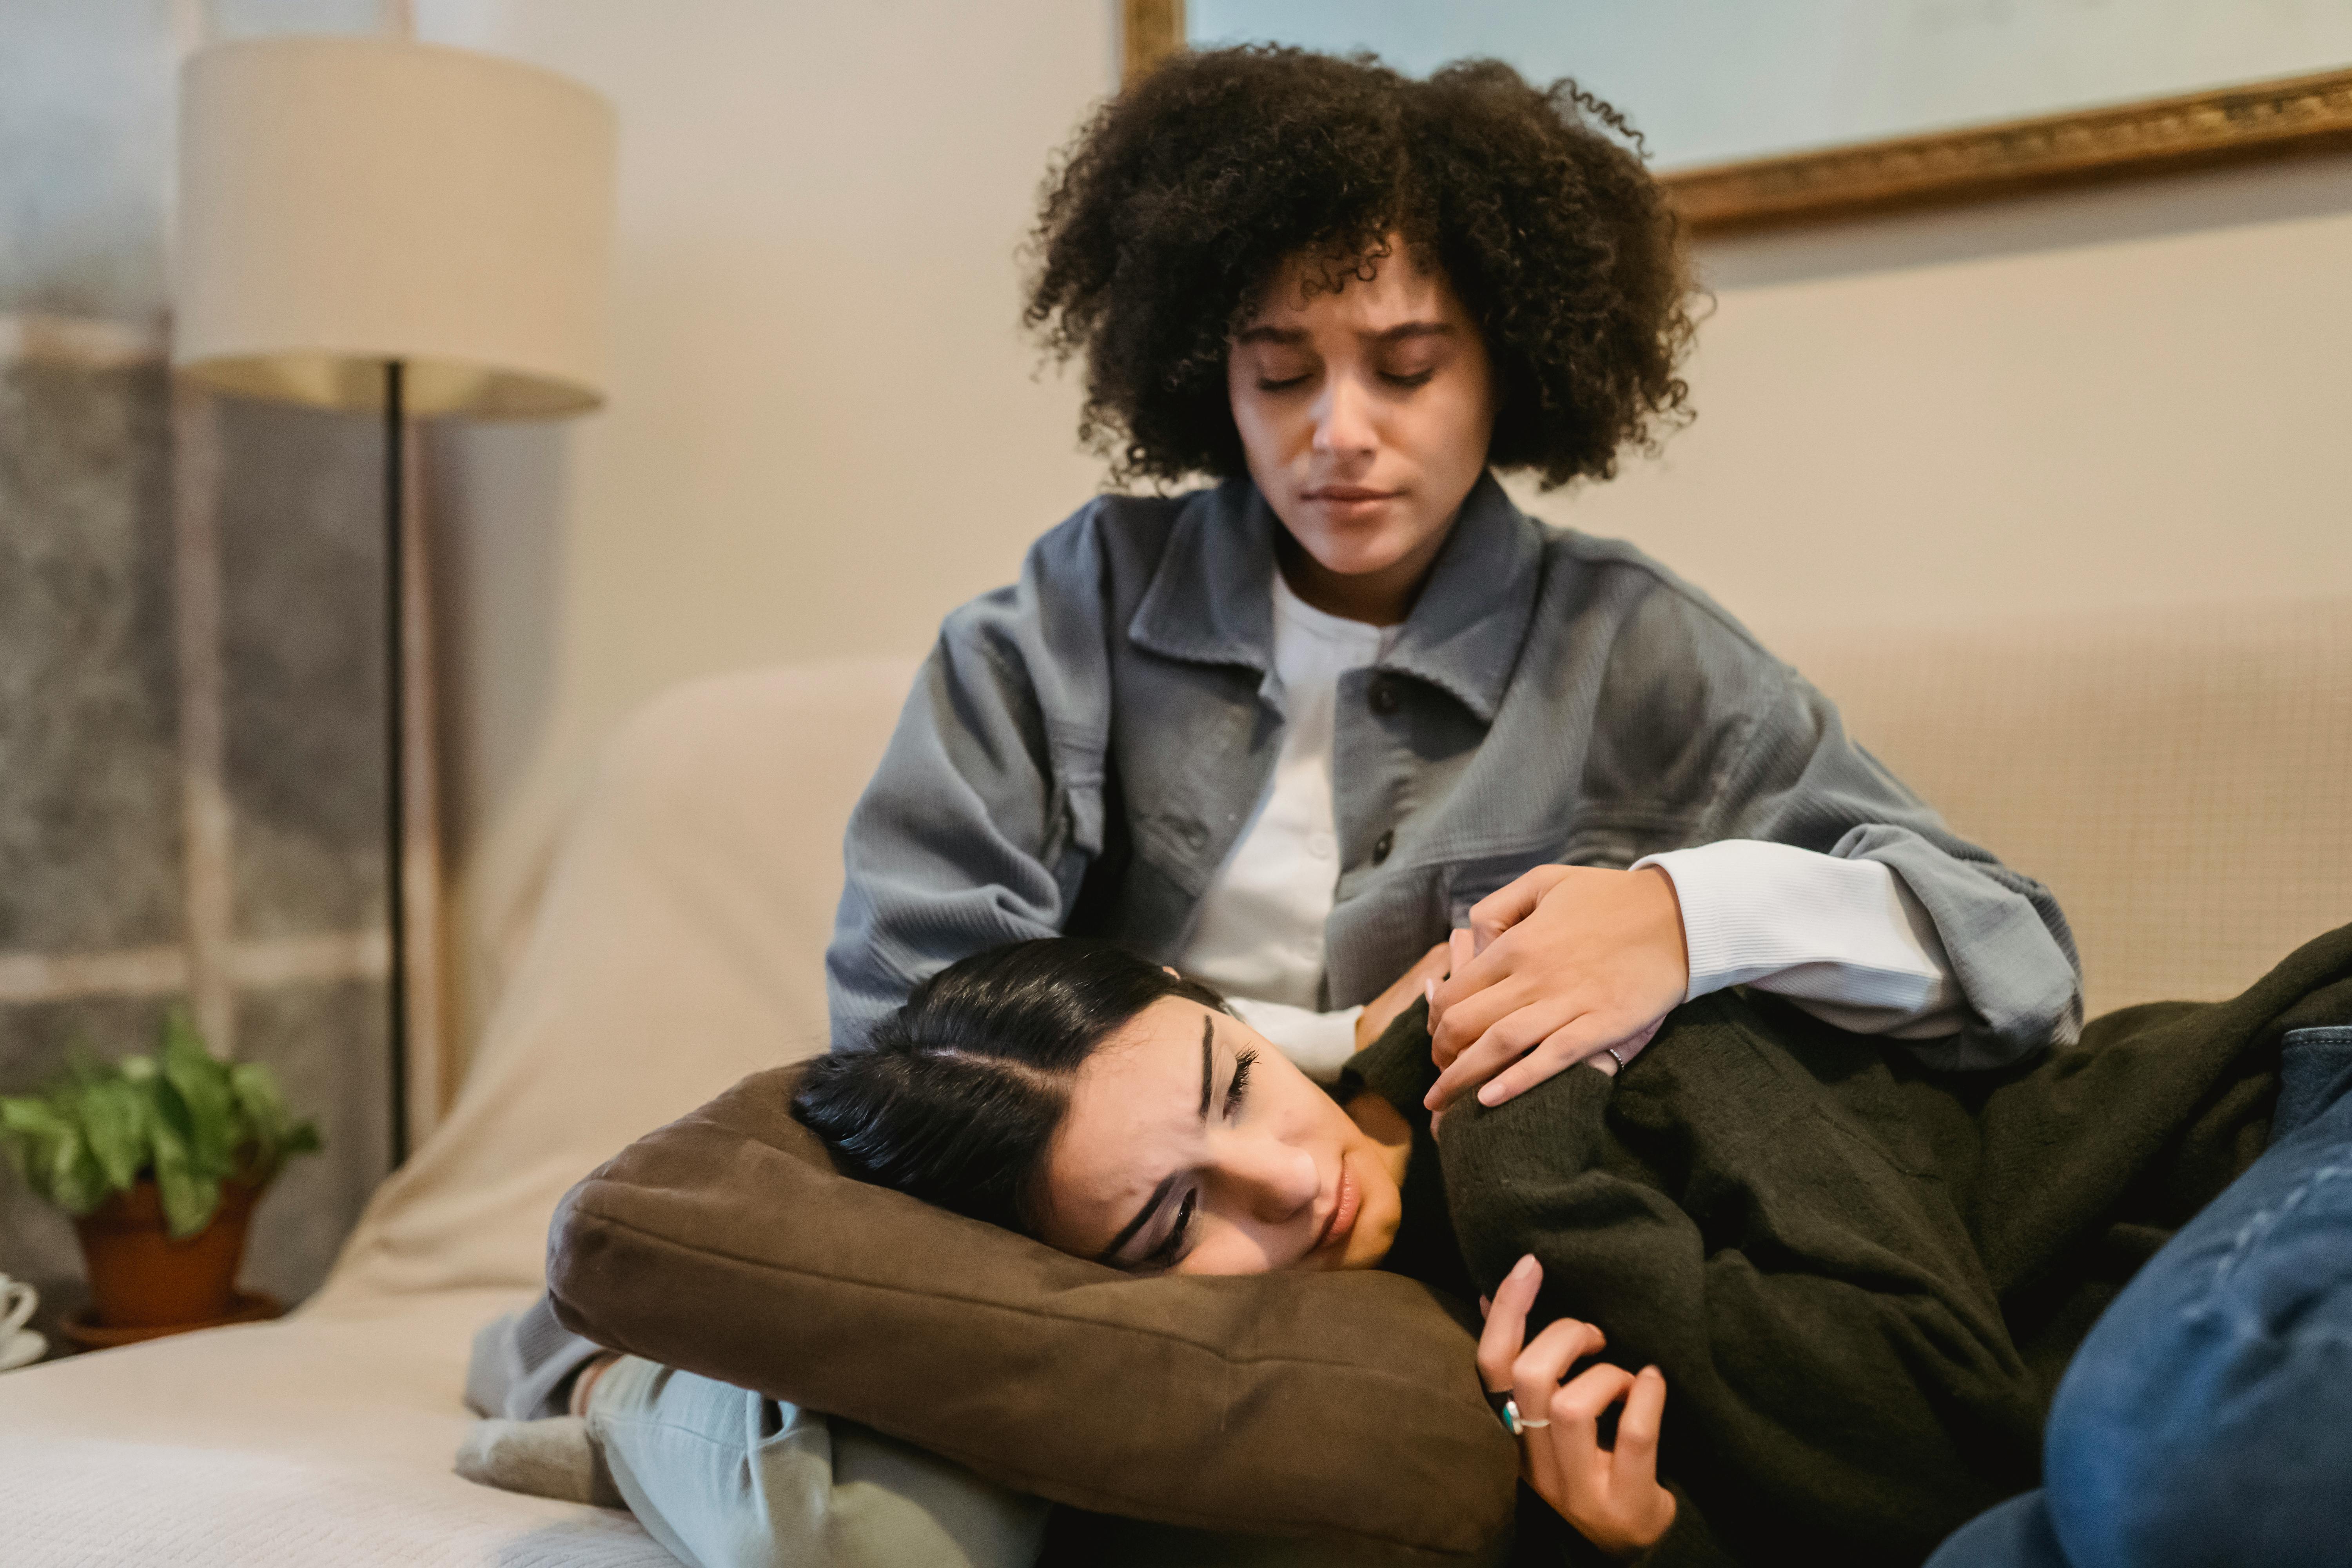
(1208, 1038)
(1398, 333)
(1168, 1182)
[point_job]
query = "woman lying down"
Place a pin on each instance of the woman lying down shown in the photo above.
(1770, 1288)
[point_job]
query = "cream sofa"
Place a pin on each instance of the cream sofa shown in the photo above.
(2184, 781)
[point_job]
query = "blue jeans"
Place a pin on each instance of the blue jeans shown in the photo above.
(2207, 1420)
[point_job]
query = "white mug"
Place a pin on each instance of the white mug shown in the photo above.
(19, 1345)
(17, 1300)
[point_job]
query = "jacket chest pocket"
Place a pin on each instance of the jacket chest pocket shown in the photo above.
(1467, 881)
(1611, 843)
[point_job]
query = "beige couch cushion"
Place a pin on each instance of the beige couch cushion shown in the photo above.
(680, 945)
(2182, 779)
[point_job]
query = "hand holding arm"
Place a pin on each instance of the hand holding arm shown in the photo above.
(1572, 961)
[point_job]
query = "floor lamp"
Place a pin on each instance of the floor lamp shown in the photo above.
(372, 224)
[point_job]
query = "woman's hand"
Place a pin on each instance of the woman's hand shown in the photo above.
(1611, 1495)
(1410, 986)
(1570, 962)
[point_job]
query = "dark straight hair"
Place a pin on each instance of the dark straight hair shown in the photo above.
(956, 1097)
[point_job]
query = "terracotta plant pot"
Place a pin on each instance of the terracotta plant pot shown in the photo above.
(139, 1277)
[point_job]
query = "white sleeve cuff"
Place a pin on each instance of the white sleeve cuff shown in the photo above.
(1845, 940)
(1321, 1043)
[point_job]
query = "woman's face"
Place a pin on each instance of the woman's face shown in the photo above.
(1365, 416)
(1192, 1146)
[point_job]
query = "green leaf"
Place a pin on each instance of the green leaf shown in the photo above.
(256, 1087)
(75, 1183)
(22, 1117)
(168, 1122)
(190, 1201)
(190, 1196)
(114, 1120)
(202, 1085)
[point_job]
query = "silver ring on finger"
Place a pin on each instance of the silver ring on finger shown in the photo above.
(1519, 1423)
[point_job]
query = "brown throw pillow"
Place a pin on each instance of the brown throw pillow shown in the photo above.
(1345, 1406)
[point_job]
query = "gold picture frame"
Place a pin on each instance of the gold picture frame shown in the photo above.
(2258, 121)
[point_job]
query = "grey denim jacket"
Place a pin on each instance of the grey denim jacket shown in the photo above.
(1083, 749)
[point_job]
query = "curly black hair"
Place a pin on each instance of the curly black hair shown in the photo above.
(1177, 203)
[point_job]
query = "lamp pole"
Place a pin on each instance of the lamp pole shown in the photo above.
(395, 706)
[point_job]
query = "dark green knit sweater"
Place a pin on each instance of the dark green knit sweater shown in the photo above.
(1861, 1278)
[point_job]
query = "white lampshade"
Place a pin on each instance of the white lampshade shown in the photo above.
(346, 202)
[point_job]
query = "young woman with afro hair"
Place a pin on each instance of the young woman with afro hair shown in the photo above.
(1341, 727)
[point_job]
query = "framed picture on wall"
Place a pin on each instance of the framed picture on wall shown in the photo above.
(1762, 112)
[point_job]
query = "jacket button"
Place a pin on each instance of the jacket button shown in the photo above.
(1382, 845)
(1383, 696)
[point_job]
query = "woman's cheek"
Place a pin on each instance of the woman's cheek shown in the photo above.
(1231, 1251)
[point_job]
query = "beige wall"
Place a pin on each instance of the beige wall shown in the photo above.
(825, 429)
(2127, 396)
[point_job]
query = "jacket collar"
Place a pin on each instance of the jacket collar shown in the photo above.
(1211, 601)
(1212, 597)
(1465, 630)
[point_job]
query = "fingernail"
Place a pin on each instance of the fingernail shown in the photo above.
(1493, 1094)
(1520, 1269)
(1429, 990)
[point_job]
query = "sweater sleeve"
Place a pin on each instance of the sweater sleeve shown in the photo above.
(979, 825)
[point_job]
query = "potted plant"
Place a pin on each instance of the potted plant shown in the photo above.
(159, 1160)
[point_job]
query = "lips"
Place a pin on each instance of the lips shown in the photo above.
(1349, 494)
(1345, 1204)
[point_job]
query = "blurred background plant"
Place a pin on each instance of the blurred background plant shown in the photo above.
(182, 1117)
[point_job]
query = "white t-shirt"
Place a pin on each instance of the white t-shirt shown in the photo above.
(1845, 940)
(1258, 936)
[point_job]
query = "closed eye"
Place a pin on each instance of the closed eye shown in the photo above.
(1172, 1245)
(1238, 1090)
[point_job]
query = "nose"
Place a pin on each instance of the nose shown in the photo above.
(1343, 420)
(1270, 1180)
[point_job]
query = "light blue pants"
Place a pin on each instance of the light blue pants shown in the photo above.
(727, 1478)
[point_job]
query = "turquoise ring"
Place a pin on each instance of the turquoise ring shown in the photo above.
(1517, 1424)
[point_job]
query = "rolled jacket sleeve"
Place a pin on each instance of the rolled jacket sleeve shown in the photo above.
(1703, 737)
(1798, 779)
